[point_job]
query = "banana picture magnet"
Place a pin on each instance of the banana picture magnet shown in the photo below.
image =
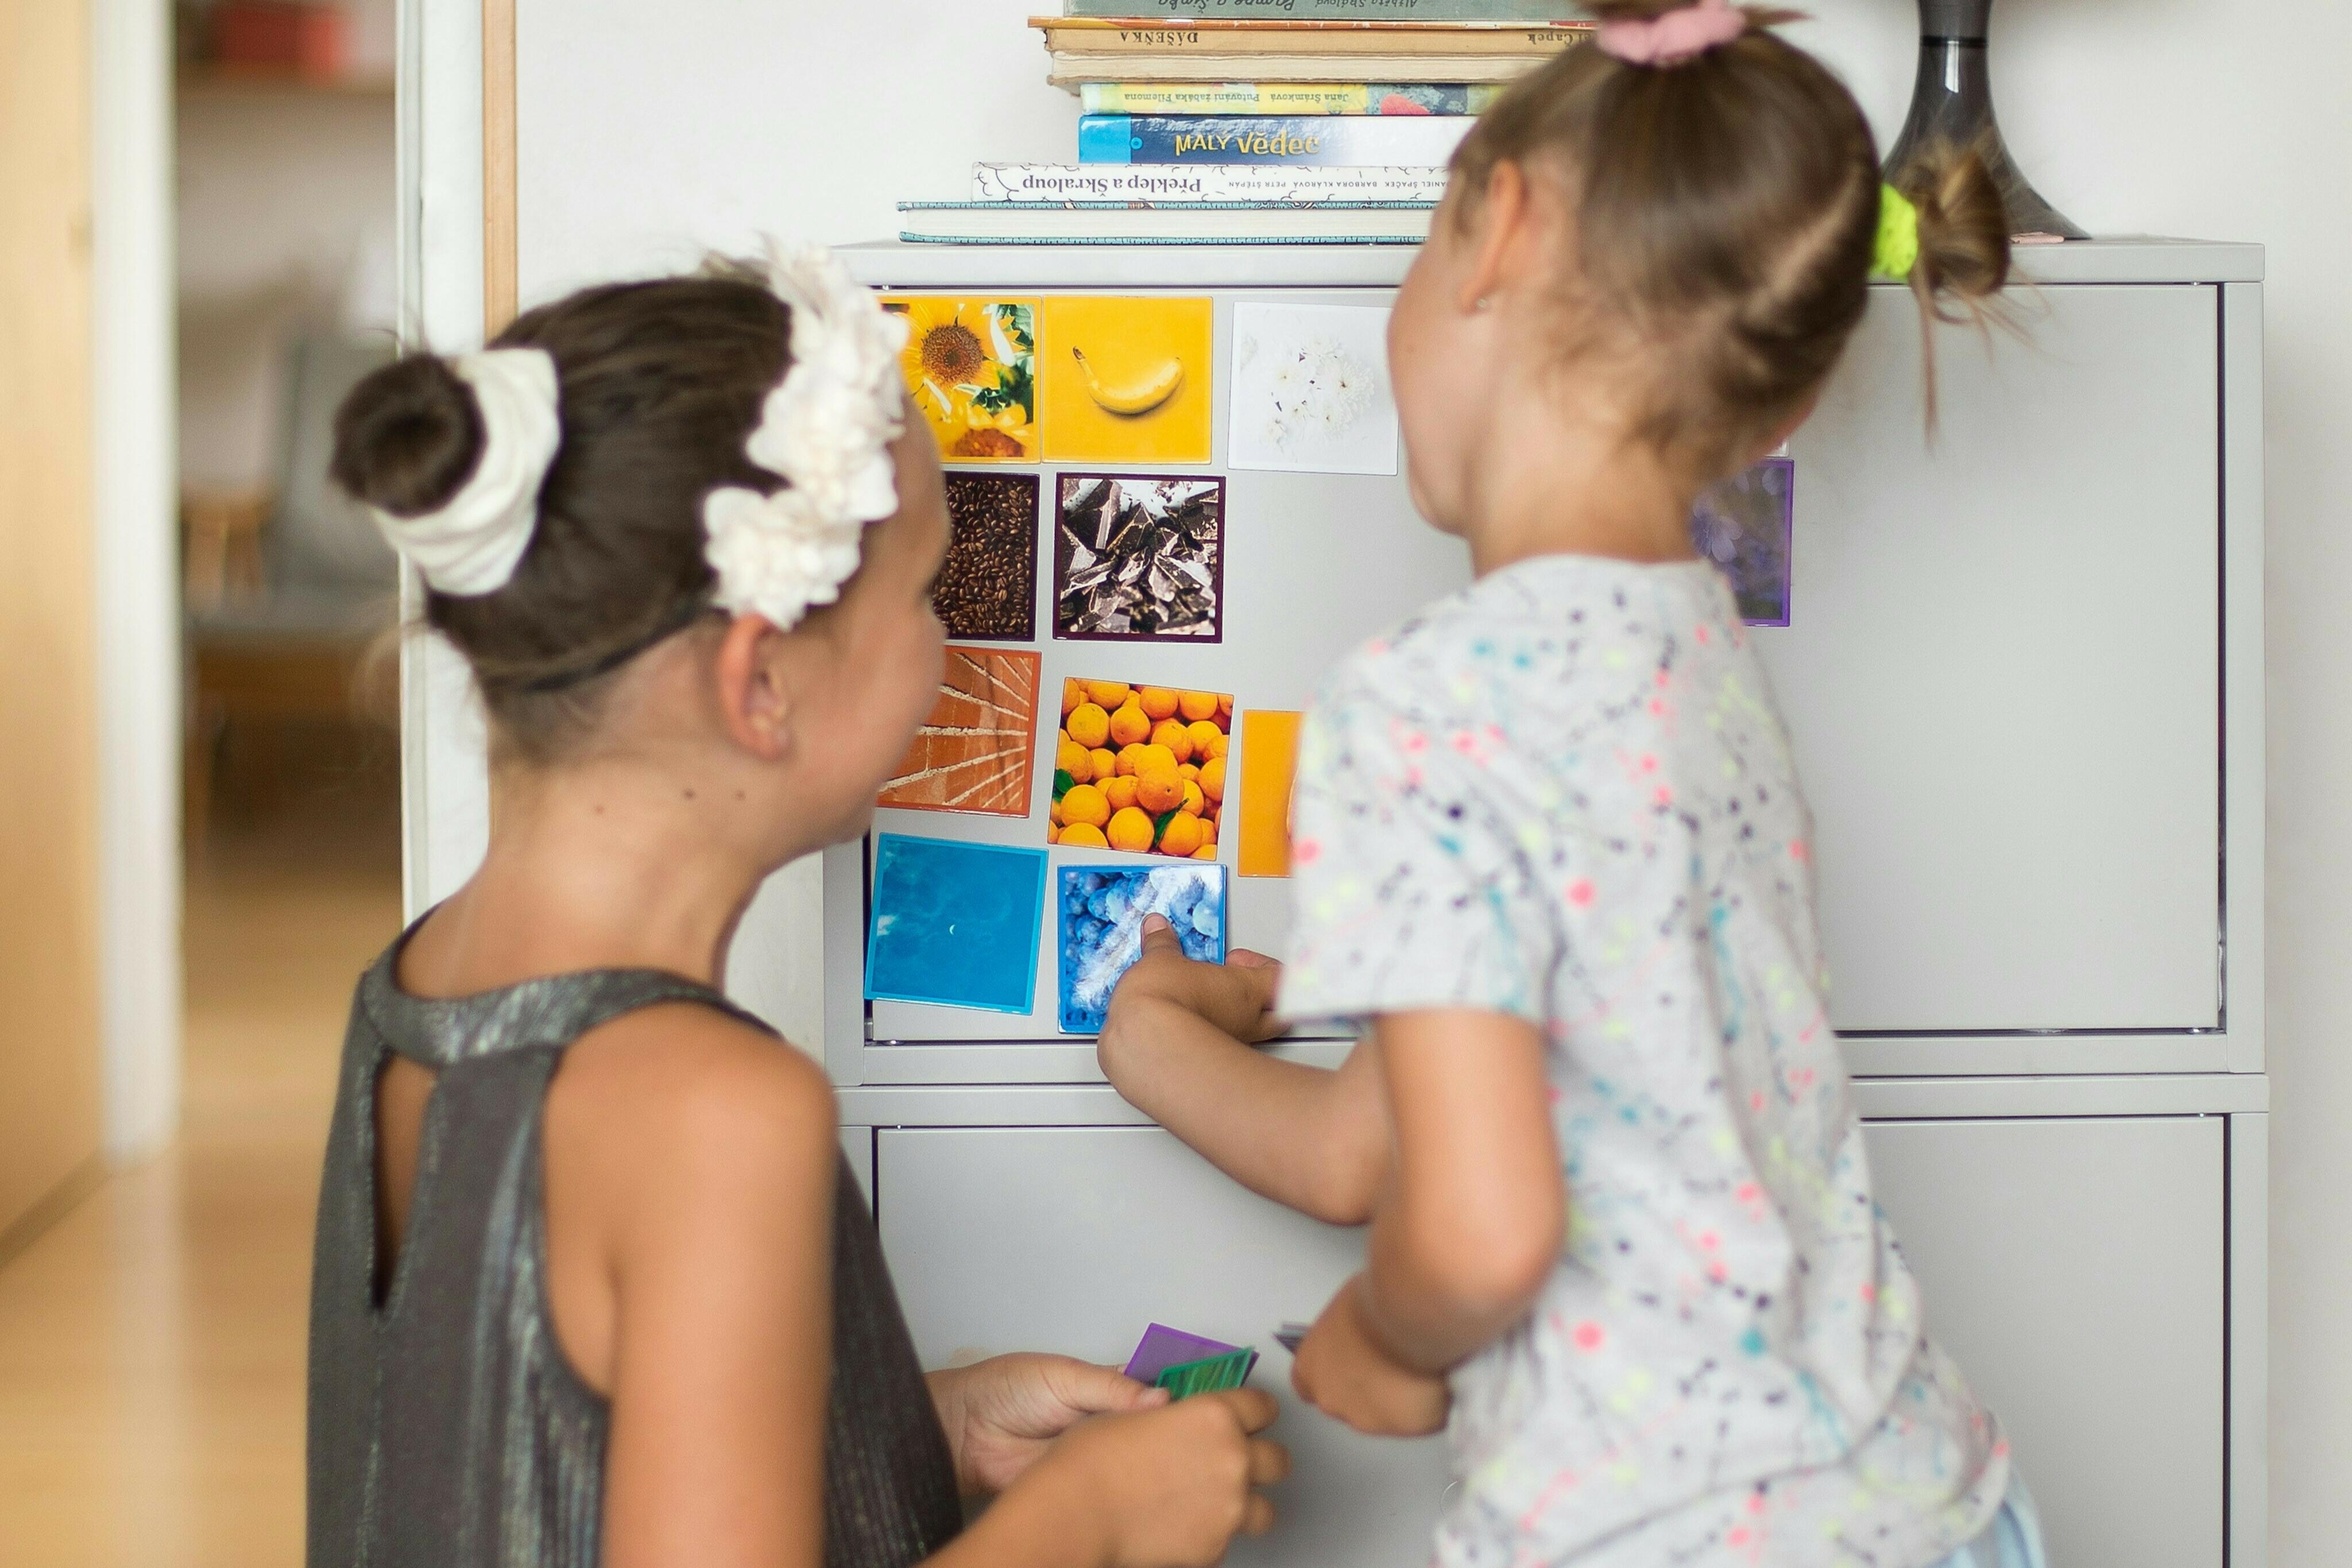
(1124, 379)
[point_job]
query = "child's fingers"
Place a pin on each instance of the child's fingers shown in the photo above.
(1238, 997)
(1243, 959)
(1252, 1408)
(1159, 936)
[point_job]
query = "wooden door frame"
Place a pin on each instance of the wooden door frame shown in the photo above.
(500, 280)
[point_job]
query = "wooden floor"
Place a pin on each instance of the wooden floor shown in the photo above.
(152, 1343)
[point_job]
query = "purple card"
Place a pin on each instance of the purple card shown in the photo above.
(1164, 1347)
(1746, 527)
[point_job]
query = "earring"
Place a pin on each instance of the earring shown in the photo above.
(1484, 301)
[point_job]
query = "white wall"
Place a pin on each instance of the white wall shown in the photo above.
(138, 619)
(2131, 115)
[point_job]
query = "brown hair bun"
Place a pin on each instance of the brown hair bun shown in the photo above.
(407, 437)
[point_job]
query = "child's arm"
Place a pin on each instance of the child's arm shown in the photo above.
(1471, 1227)
(1177, 1043)
(1464, 1234)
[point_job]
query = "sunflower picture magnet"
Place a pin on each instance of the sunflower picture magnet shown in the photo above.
(971, 367)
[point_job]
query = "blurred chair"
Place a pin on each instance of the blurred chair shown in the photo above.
(286, 591)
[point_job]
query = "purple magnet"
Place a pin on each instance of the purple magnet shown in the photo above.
(1164, 1347)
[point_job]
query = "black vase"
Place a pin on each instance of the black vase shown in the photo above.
(1953, 103)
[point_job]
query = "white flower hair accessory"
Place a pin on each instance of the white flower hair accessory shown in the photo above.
(827, 429)
(471, 544)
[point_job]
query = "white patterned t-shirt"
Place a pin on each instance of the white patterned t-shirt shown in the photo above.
(1565, 794)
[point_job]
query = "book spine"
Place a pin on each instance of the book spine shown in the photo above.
(1286, 97)
(1288, 185)
(1425, 139)
(1073, 71)
(1078, 37)
(1331, 10)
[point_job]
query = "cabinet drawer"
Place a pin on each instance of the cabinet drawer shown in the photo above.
(2076, 1269)
(1073, 1238)
(2003, 677)
(2002, 681)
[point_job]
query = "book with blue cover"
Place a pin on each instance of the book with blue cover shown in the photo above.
(1425, 140)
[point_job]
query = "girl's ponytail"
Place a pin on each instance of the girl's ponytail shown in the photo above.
(1964, 248)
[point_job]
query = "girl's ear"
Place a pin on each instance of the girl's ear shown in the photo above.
(753, 700)
(1511, 236)
(1499, 229)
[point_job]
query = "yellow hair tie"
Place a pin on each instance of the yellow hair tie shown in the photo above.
(1898, 251)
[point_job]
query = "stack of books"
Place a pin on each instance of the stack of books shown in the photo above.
(1255, 121)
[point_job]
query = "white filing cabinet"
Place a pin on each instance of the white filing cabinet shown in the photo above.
(2024, 678)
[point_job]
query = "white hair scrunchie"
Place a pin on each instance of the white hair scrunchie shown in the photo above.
(470, 545)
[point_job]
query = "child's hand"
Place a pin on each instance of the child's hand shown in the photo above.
(1343, 1372)
(1170, 1488)
(1002, 1414)
(1236, 996)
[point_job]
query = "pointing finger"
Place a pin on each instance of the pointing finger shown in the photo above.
(1159, 936)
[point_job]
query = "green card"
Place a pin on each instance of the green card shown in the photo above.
(1210, 1376)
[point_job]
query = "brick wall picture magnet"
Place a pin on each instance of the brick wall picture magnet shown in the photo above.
(974, 753)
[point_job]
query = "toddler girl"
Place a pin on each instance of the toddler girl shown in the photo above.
(1550, 849)
(593, 1282)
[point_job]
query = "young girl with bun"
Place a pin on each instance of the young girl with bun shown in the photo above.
(593, 1284)
(1550, 852)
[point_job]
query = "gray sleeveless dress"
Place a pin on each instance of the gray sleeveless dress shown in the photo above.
(446, 1428)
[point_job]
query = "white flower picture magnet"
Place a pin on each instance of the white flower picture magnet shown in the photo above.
(1310, 390)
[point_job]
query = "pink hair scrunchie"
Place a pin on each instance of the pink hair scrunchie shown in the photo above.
(1673, 37)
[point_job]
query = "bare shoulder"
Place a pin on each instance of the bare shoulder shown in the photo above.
(684, 1092)
(689, 1165)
